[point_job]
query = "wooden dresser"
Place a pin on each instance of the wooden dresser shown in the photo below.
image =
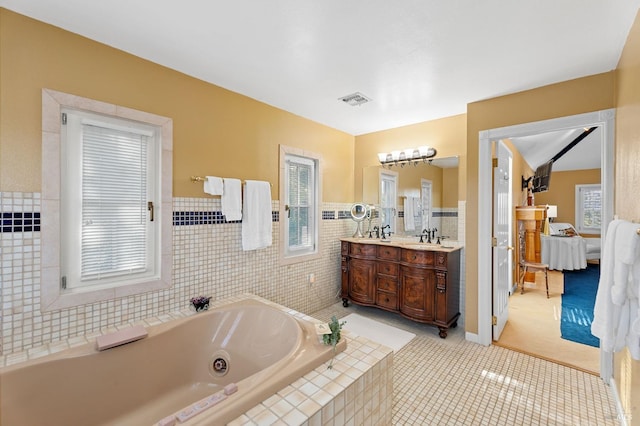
(421, 284)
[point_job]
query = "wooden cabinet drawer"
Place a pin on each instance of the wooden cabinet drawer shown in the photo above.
(387, 300)
(363, 250)
(388, 253)
(386, 283)
(441, 259)
(388, 268)
(420, 257)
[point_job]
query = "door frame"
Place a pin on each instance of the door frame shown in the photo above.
(603, 118)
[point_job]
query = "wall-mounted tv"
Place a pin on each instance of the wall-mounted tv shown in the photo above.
(542, 177)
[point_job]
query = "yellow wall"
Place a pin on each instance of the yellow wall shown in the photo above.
(446, 135)
(627, 182)
(216, 132)
(409, 182)
(450, 187)
(562, 190)
(520, 169)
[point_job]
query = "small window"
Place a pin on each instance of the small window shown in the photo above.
(106, 201)
(426, 195)
(109, 170)
(588, 208)
(388, 197)
(299, 209)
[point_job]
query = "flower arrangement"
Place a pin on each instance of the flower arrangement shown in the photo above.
(200, 303)
(333, 338)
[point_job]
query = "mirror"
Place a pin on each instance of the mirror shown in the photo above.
(441, 174)
(358, 214)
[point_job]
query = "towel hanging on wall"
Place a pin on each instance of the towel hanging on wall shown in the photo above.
(213, 185)
(256, 221)
(409, 213)
(231, 201)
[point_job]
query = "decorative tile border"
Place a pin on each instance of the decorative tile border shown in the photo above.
(445, 214)
(20, 222)
(30, 222)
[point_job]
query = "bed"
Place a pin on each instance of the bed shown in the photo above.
(566, 249)
(593, 244)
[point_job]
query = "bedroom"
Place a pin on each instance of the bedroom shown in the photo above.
(538, 318)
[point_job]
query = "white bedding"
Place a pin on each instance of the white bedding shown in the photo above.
(592, 244)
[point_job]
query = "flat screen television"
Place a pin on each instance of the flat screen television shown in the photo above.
(542, 177)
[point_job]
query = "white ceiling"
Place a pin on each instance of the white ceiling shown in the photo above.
(417, 60)
(538, 149)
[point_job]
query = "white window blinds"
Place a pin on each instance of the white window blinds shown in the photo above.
(300, 178)
(114, 203)
(588, 208)
(109, 172)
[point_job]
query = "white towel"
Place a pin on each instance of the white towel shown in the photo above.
(626, 242)
(232, 199)
(213, 185)
(256, 224)
(616, 311)
(409, 213)
(633, 338)
(604, 313)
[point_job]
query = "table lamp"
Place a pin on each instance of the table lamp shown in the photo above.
(552, 212)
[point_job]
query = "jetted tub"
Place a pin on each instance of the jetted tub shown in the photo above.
(251, 344)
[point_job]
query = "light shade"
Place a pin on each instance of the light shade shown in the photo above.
(421, 154)
(552, 211)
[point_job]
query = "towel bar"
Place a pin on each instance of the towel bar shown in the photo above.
(195, 179)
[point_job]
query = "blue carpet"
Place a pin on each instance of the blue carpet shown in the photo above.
(578, 300)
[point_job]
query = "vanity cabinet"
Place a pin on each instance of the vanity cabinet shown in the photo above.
(420, 284)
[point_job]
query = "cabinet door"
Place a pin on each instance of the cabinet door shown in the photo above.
(417, 293)
(362, 274)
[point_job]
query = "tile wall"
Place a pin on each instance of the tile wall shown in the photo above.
(208, 260)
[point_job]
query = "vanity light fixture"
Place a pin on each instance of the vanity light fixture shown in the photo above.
(421, 154)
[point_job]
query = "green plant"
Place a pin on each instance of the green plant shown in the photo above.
(333, 338)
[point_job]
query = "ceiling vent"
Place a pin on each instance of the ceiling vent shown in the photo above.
(355, 99)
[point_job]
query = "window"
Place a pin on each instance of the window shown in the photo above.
(388, 197)
(299, 208)
(588, 208)
(426, 195)
(109, 167)
(106, 228)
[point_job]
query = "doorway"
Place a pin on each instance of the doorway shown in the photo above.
(605, 119)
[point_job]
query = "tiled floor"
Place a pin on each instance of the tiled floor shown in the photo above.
(454, 382)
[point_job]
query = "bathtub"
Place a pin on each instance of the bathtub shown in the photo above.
(250, 345)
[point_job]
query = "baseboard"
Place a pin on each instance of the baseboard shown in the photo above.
(471, 337)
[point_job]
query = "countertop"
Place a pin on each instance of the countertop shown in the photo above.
(407, 243)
